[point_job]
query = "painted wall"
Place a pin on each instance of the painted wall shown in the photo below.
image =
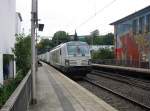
(130, 46)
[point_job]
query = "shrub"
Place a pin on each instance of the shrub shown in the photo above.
(103, 54)
(22, 52)
(7, 89)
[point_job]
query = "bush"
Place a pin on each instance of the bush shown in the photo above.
(9, 87)
(22, 52)
(103, 54)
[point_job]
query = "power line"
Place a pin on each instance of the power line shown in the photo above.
(96, 13)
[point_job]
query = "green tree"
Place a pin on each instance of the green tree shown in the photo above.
(76, 36)
(60, 37)
(107, 39)
(88, 39)
(91, 39)
(44, 45)
(22, 52)
(103, 54)
(95, 33)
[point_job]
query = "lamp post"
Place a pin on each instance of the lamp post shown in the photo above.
(34, 22)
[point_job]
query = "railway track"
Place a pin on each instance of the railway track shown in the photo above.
(143, 84)
(128, 98)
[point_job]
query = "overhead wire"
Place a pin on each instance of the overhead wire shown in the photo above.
(95, 14)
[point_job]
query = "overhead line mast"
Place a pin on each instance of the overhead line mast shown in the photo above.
(34, 25)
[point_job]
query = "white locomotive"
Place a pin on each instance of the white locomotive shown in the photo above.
(73, 58)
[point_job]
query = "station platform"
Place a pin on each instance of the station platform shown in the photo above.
(56, 92)
(130, 69)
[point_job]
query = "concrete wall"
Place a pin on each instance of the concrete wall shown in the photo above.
(7, 27)
(7, 30)
(1, 68)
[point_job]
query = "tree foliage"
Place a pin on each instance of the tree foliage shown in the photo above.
(103, 54)
(95, 33)
(44, 45)
(107, 39)
(22, 52)
(76, 37)
(60, 37)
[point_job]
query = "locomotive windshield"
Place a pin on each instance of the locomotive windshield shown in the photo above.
(78, 50)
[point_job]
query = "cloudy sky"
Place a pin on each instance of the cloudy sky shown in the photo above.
(82, 15)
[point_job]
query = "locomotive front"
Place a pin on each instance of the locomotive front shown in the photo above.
(78, 61)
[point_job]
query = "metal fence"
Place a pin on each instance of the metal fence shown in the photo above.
(125, 63)
(21, 97)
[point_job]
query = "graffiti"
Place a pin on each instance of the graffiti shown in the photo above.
(142, 41)
(133, 47)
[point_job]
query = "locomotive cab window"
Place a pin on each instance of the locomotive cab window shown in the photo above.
(78, 50)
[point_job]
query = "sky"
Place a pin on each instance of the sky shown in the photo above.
(84, 16)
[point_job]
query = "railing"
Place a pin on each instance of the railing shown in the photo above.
(21, 97)
(125, 63)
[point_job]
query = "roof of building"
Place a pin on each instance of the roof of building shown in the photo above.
(138, 13)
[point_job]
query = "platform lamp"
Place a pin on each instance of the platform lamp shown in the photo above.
(41, 27)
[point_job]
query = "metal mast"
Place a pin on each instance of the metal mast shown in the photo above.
(34, 24)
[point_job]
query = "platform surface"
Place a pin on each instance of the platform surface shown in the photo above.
(140, 70)
(56, 92)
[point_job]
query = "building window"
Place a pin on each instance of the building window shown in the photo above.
(135, 26)
(148, 23)
(141, 25)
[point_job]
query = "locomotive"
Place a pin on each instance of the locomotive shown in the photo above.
(73, 58)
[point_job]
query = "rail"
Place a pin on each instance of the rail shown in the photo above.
(21, 97)
(121, 95)
(133, 81)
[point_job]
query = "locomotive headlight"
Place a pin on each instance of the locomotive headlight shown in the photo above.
(67, 62)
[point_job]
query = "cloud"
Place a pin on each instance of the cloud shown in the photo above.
(69, 14)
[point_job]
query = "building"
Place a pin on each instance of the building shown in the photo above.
(132, 37)
(8, 30)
